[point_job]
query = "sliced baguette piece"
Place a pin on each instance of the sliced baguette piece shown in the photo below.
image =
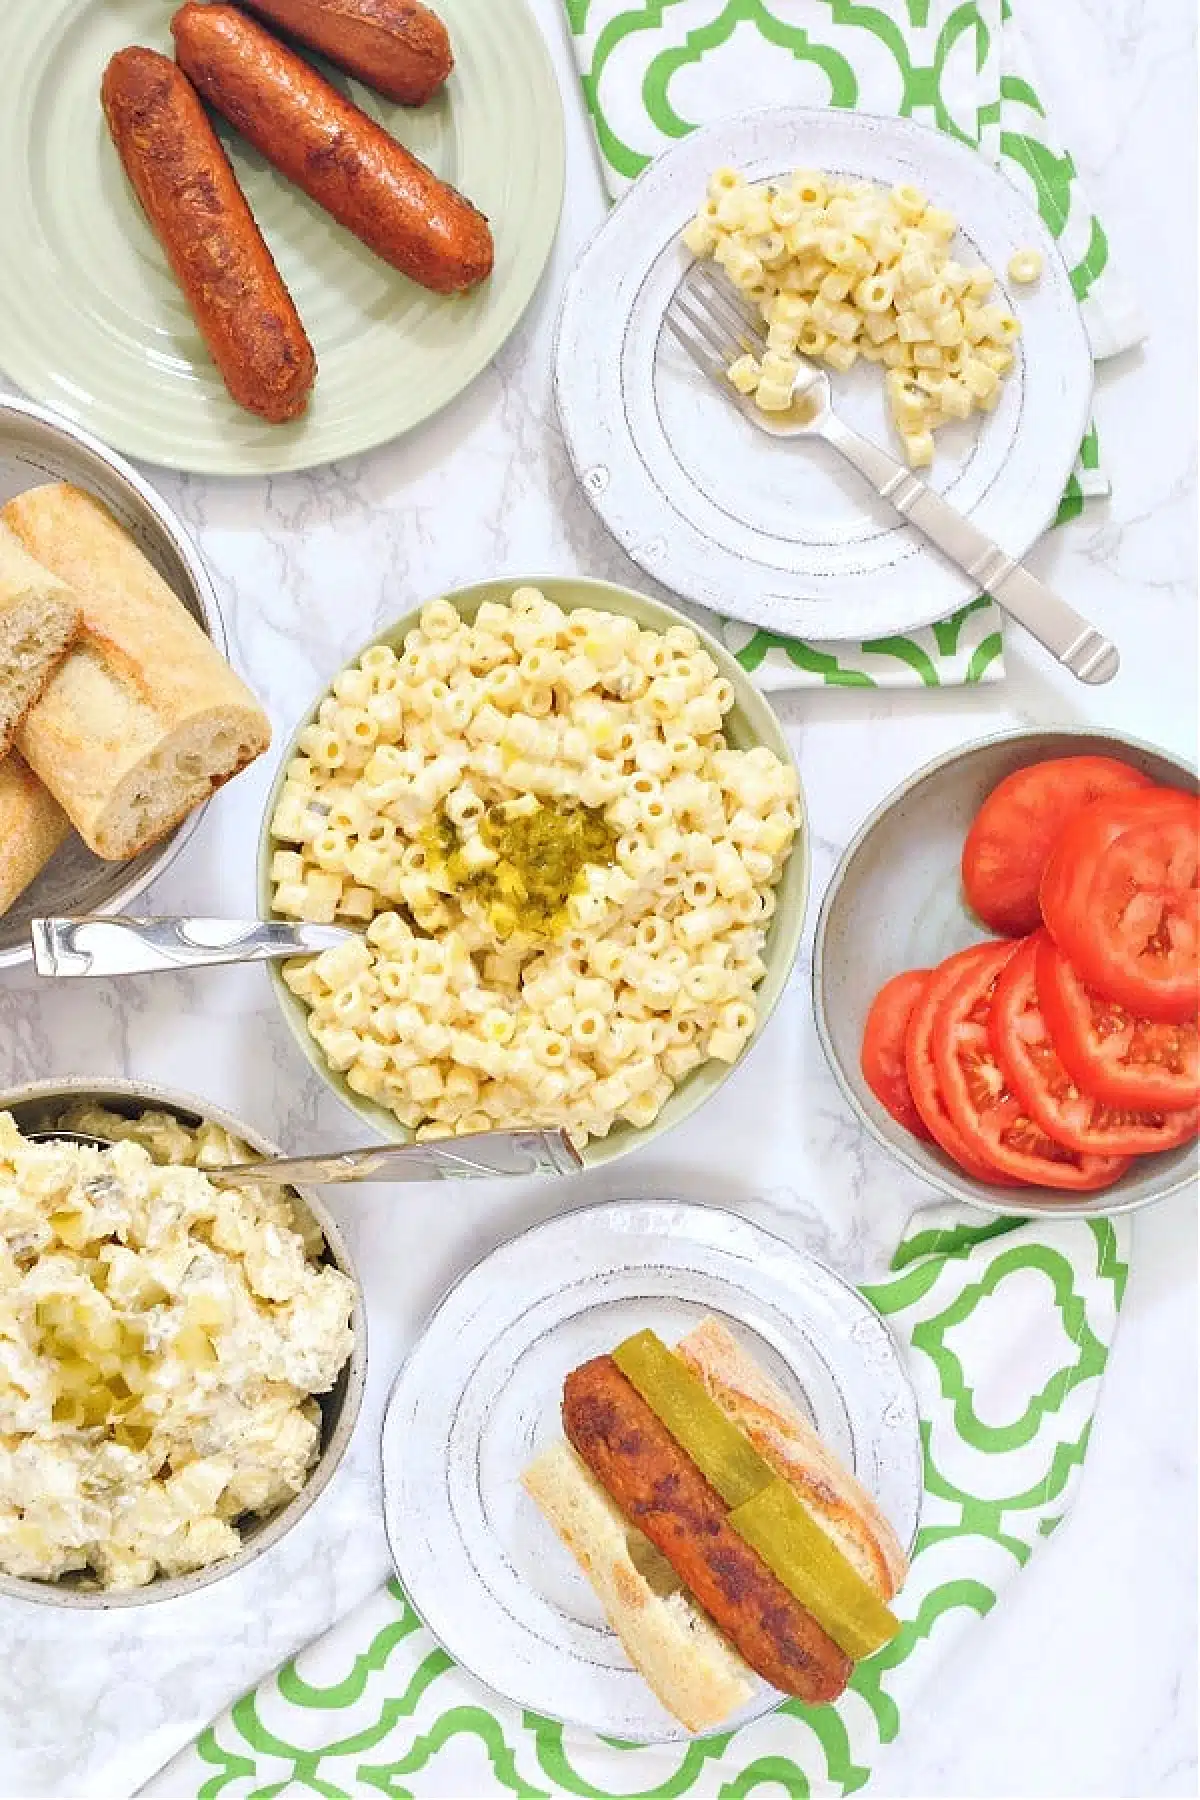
(674, 1646)
(836, 1499)
(145, 717)
(39, 617)
(32, 826)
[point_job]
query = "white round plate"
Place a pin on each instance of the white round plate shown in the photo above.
(787, 535)
(480, 1396)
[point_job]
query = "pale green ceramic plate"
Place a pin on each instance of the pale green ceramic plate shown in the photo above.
(751, 721)
(92, 323)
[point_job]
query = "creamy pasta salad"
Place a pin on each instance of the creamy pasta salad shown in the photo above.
(160, 1341)
(842, 270)
(565, 872)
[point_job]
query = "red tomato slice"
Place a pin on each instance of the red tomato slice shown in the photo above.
(1036, 1075)
(883, 1043)
(1017, 827)
(988, 1116)
(1144, 1064)
(1121, 900)
(922, 1076)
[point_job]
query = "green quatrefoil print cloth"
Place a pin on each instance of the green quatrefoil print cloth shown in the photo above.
(653, 69)
(1005, 1327)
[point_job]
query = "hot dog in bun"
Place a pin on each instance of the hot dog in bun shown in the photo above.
(718, 1532)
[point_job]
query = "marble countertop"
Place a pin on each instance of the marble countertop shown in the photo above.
(1083, 1680)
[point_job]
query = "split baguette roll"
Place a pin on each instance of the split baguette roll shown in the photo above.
(32, 826)
(39, 617)
(675, 1647)
(837, 1501)
(145, 718)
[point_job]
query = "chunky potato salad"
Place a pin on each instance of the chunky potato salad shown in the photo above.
(160, 1343)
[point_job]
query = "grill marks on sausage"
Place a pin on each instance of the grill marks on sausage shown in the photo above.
(661, 1491)
(332, 150)
(191, 198)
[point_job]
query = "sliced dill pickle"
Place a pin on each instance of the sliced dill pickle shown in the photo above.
(777, 1524)
(723, 1454)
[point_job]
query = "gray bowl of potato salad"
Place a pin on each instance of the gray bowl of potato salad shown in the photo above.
(181, 1364)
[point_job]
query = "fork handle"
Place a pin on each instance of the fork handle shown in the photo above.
(1065, 633)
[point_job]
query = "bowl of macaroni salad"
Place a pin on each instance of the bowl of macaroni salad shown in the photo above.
(181, 1364)
(572, 837)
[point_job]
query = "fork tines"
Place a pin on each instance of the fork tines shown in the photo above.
(712, 321)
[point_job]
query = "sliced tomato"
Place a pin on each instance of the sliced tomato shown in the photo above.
(922, 1075)
(1121, 900)
(1018, 825)
(1036, 1074)
(1123, 1059)
(991, 1121)
(884, 1037)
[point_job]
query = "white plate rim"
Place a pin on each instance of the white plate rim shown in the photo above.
(768, 1701)
(797, 613)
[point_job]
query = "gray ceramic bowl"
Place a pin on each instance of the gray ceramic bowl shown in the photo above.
(35, 1108)
(750, 722)
(895, 902)
(37, 446)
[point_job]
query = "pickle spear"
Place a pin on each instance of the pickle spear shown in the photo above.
(764, 1509)
(776, 1523)
(722, 1453)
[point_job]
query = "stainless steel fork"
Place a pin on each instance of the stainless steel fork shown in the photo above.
(715, 323)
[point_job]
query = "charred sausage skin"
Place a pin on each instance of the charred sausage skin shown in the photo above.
(398, 47)
(661, 1491)
(190, 195)
(345, 161)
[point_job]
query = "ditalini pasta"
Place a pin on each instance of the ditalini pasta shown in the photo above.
(567, 872)
(843, 269)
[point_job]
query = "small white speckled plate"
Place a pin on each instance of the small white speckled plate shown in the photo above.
(785, 534)
(480, 1395)
(93, 323)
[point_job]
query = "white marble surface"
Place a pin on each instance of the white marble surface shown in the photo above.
(1083, 1680)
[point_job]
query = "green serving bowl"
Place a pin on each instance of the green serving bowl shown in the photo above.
(749, 722)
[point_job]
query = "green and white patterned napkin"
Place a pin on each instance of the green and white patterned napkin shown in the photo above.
(1005, 1328)
(652, 70)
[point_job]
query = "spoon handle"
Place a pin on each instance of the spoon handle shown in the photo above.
(96, 945)
(446, 1159)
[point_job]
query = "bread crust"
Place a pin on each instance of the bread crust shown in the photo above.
(835, 1498)
(398, 47)
(680, 1654)
(32, 826)
(144, 705)
(40, 619)
(341, 158)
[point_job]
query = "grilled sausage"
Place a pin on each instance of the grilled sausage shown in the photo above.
(344, 160)
(398, 47)
(199, 214)
(660, 1490)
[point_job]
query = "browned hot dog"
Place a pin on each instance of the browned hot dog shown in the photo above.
(398, 47)
(344, 160)
(660, 1490)
(199, 214)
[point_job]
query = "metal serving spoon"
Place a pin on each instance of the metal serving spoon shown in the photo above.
(447, 1159)
(95, 944)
